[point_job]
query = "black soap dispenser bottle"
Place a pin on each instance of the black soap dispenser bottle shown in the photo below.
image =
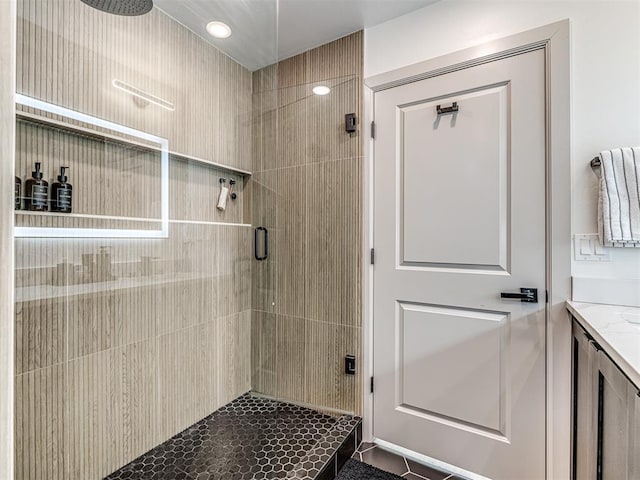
(61, 193)
(37, 192)
(18, 193)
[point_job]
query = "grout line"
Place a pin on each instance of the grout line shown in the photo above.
(305, 318)
(450, 476)
(331, 412)
(205, 222)
(347, 77)
(406, 464)
(368, 449)
(322, 162)
(420, 476)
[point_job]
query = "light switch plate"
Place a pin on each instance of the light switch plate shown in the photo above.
(587, 248)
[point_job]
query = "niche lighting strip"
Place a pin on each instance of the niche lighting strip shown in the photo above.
(146, 96)
(103, 232)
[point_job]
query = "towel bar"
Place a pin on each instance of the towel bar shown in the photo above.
(595, 162)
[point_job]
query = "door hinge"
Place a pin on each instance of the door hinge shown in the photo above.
(373, 130)
(371, 389)
(373, 256)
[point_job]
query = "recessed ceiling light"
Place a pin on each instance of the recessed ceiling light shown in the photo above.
(321, 90)
(219, 29)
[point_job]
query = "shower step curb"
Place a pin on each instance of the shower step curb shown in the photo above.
(325, 460)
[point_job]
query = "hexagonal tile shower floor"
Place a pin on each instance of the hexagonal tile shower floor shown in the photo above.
(252, 438)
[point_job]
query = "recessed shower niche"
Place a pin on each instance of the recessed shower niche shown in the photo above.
(121, 177)
(99, 157)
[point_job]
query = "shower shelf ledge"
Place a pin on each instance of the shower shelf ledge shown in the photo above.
(87, 215)
(95, 134)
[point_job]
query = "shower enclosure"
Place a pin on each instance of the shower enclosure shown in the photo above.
(155, 335)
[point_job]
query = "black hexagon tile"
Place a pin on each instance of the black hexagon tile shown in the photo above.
(251, 438)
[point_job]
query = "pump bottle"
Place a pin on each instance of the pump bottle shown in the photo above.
(37, 192)
(61, 193)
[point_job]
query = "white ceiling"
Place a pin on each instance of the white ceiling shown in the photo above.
(265, 31)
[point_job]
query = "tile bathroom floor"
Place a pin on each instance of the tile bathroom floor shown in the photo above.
(251, 438)
(390, 462)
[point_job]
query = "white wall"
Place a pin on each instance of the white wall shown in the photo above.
(605, 79)
(7, 151)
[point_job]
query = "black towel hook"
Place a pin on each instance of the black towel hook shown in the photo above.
(452, 109)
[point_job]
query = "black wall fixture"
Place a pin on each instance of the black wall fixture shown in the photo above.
(129, 8)
(350, 122)
(256, 243)
(350, 364)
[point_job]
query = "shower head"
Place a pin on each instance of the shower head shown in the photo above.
(122, 7)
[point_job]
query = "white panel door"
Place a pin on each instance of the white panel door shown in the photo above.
(459, 218)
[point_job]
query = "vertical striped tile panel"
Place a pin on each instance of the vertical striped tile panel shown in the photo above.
(289, 240)
(234, 356)
(318, 227)
(263, 354)
(178, 364)
(207, 372)
(291, 347)
(265, 132)
(325, 381)
(264, 118)
(340, 58)
(333, 275)
(235, 114)
(292, 120)
(40, 424)
(234, 270)
(293, 71)
(40, 334)
(110, 410)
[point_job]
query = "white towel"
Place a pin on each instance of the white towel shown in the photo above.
(222, 199)
(619, 200)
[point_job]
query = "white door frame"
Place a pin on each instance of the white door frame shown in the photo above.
(555, 40)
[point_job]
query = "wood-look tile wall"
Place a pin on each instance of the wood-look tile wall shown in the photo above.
(106, 370)
(69, 54)
(307, 189)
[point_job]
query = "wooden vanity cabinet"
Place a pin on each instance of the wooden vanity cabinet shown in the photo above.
(585, 405)
(606, 415)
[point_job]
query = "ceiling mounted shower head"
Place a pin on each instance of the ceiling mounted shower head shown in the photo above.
(122, 7)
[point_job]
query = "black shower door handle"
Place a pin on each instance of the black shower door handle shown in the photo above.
(256, 237)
